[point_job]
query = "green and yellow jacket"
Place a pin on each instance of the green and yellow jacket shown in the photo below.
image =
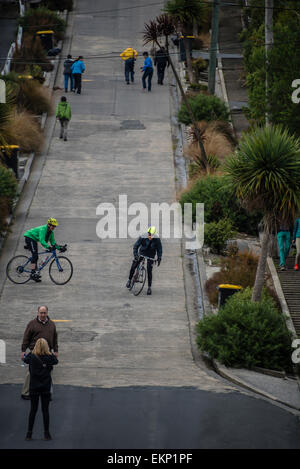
(63, 110)
(41, 235)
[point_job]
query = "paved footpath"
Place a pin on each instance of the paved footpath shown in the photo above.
(126, 376)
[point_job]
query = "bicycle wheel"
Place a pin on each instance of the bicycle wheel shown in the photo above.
(17, 271)
(61, 270)
(138, 280)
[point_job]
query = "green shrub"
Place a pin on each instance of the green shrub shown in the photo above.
(216, 234)
(247, 334)
(39, 19)
(4, 212)
(205, 108)
(238, 269)
(8, 183)
(199, 65)
(220, 202)
(8, 191)
(31, 52)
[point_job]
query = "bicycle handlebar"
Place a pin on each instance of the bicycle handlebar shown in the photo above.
(52, 249)
(146, 257)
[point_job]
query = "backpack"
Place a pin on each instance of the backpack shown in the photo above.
(67, 66)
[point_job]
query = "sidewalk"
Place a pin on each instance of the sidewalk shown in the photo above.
(230, 27)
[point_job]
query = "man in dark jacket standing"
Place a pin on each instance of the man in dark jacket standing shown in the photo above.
(161, 60)
(149, 244)
(39, 328)
(68, 73)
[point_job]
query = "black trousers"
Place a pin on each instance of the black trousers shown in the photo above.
(77, 82)
(129, 70)
(33, 247)
(160, 73)
(148, 73)
(45, 399)
(149, 270)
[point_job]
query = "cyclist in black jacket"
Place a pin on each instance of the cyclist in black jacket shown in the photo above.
(149, 244)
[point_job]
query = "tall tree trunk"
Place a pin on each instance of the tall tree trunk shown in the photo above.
(261, 268)
(269, 4)
(189, 64)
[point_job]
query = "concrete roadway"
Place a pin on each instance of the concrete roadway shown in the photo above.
(126, 376)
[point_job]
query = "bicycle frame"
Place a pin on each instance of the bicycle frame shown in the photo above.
(52, 256)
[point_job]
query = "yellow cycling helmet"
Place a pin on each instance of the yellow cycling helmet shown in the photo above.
(52, 221)
(151, 230)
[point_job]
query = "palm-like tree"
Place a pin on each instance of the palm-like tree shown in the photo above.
(265, 174)
(160, 29)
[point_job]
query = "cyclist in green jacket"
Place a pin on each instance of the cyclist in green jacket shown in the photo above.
(44, 235)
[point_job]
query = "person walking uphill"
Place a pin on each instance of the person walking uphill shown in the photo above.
(296, 240)
(40, 362)
(39, 328)
(68, 73)
(161, 60)
(148, 71)
(64, 114)
(78, 68)
(130, 56)
(284, 241)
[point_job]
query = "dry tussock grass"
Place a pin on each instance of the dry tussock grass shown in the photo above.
(205, 39)
(217, 140)
(24, 130)
(35, 97)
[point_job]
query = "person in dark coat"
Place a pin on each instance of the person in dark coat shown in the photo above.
(68, 73)
(161, 61)
(149, 244)
(40, 362)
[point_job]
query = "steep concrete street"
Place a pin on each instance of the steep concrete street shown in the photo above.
(113, 338)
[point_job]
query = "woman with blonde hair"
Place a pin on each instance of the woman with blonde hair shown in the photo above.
(40, 362)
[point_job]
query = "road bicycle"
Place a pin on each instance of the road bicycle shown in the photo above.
(18, 270)
(139, 276)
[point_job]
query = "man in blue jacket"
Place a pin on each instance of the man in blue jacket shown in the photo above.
(148, 71)
(78, 69)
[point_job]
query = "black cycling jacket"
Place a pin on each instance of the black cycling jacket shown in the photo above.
(146, 247)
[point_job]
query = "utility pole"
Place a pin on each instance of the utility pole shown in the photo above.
(269, 4)
(213, 47)
(2, 92)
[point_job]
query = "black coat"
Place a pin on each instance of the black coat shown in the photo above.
(40, 368)
(161, 58)
(148, 248)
